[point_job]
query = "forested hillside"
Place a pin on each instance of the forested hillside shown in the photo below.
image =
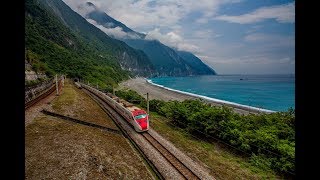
(72, 46)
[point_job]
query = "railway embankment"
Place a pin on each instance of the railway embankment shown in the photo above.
(76, 139)
(57, 148)
(166, 161)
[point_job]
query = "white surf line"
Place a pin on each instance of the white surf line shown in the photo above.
(241, 106)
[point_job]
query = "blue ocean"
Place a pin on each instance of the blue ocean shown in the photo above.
(271, 92)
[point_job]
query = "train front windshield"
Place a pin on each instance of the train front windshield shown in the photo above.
(140, 116)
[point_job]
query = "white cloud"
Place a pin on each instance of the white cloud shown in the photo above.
(151, 13)
(116, 32)
(153, 16)
(256, 37)
(205, 34)
(205, 17)
(202, 20)
(284, 60)
(201, 34)
(82, 9)
(255, 59)
(169, 22)
(281, 13)
(271, 40)
(188, 47)
(109, 25)
(172, 39)
(141, 13)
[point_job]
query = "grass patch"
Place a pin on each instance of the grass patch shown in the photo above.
(77, 104)
(223, 163)
(56, 149)
(67, 98)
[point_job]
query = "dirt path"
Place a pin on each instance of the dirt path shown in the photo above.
(59, 149)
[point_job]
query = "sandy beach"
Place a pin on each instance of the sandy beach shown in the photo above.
(141, 86)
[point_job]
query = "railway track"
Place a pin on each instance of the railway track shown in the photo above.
(178, 165)
(114, 116)
(37, 99)
(175, 162)
(42, 96)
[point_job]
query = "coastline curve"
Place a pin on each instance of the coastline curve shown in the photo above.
(214, 100)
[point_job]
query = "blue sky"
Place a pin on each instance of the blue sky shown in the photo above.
(231, 36)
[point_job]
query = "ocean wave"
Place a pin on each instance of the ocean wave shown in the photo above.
(241, 106)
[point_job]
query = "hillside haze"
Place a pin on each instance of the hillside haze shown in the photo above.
(166, 60)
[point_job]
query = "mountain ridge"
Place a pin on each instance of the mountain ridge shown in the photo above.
(55, 44)
(167, 61)
(130, 59)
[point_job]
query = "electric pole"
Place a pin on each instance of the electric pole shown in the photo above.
(57, 85)
(148, 103)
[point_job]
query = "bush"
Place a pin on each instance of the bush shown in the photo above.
(155, 105)
(131, 96)
(263, 134)
(269, 138)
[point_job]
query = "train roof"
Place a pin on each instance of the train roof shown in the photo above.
(124, 103)
(133, 108)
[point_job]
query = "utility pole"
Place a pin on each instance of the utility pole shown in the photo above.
(57, 85)
(62, 80)
(148, 103)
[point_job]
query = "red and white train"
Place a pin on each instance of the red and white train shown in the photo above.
(137, 117)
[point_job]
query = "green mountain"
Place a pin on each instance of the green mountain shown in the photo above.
(164, 58)
(167, 61)
(196, 63)
(58, 40)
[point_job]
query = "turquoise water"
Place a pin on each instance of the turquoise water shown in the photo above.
(272, 92)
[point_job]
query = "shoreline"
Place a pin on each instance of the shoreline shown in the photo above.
(156, 91)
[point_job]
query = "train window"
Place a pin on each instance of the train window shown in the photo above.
(140, 116)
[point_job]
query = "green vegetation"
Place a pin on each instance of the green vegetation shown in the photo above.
(168, 61)
(31, 83)
(131, 96)
(268, 140)
(219, 158)
(68, 44)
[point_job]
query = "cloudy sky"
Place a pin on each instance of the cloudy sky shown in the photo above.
(232, 36)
